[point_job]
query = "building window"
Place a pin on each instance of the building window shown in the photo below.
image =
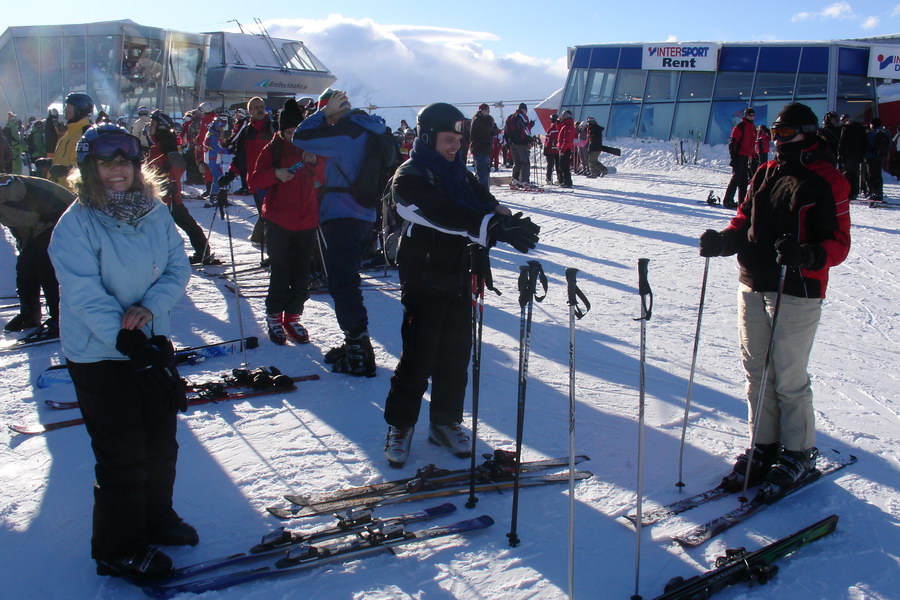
(656, 120)
(733, 86)
(771, 86)
(575, 87)
(623, 120)
(662, 86)
(725, 115)
(600, 86)
(811, 85)
(630, 85)
(690, 119)
(696, 86)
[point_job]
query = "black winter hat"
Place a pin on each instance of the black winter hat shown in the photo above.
(291, 115)
(522, 106)
(799, 116)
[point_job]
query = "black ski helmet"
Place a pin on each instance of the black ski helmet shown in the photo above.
(163, 121)
(82, 103)
(438, 117)
(104, 142)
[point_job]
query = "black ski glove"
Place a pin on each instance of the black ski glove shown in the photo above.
(790, 253)
(516, 230)
(711, 243)
(225, 180)
(153, 362)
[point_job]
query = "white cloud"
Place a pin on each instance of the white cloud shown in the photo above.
(870, 22)
(838, 10)
(842, 11)
(672, 38)
(401, 65)
(895, 11)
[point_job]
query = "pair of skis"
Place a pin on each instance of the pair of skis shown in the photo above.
(826, 465)
(370, 537)
(495, 474)
(192, 355)
(197, 394)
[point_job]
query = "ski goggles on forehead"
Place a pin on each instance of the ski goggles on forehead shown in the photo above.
(460, 126)
(106, 147)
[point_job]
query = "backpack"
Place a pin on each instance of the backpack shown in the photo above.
(375, 170)
(510, 131)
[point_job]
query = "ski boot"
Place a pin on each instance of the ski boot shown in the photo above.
(358, 358)
(294, 329)
(173, 531)
(452, 437)
(764, 456)
(275, 326)
(23, 320)
(147, 563)
(396, 447)
(792, 466)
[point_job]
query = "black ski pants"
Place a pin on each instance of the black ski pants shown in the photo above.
(564, 168)
(740, 173)
(290, 258)
(851, 172)
(186, 222)
(553, 166)
(34, 272)
(437, 342)
(133, 439)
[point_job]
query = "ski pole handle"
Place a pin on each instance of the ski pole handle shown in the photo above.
(575, 294)
(644, 289)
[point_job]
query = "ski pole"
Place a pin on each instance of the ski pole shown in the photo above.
(575, 312)
(646, 312)
(222, 202)
(762, 385)
(687, 402)
(528, 278)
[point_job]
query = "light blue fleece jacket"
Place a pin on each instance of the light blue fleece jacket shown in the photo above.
(104, 266)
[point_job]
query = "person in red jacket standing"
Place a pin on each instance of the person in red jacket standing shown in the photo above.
(566, 144)
(289, 177)
(741, 147)
(763, 139)
(793, 224)
(207, 116)
(551, 150)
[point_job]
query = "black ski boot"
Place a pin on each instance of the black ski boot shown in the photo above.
(148, 563)
(358, 358)
(764, 456)
(792, 466)
(28, 318)
(173, 531)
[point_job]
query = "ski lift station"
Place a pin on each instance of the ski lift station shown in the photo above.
(692, 90)
(123, 65)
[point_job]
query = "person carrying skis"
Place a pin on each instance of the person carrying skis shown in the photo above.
(122, 268)
(290, 211)
(796, 217)
(445, 209)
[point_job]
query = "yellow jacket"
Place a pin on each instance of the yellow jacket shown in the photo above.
(65, 147)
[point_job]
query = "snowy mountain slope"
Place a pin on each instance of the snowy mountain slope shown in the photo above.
(239, 457)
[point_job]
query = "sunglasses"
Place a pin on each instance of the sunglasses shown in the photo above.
(106, 147)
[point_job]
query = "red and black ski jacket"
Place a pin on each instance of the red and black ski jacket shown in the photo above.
(802, 195)
(743, 139)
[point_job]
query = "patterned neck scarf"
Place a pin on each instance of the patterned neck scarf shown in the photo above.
(127, 207)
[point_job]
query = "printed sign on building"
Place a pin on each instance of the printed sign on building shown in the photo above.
(884, 61)
(680, 57)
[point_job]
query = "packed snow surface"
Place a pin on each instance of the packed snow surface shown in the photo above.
(237, 458)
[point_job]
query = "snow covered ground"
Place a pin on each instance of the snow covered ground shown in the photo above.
(237, 458)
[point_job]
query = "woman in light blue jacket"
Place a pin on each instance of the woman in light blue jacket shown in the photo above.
(122, 267)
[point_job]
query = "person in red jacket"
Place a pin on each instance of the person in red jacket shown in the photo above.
(289, 177)
(165, 159)
(207, 116)
(551, 150)
(763, 139)
(793, 225)
(741, 147)
(566, 144)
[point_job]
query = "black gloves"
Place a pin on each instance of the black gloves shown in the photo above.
(711, 243)
(790, 253)
(225, 180)
(153, 361)
(516, 230)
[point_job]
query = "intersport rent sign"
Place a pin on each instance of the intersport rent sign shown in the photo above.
(680, 57)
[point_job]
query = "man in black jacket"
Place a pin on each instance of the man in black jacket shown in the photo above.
(851, 148)
(445, 210)
(482, 134)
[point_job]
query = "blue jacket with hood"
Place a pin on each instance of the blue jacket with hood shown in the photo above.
(343, 145)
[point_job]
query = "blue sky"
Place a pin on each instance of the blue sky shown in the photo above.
(414, 53)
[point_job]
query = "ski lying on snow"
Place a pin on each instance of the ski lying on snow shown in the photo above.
(191, 355)
(497, 464)
(460, 487)
(739, 565)
(193, 400)
(299, 558)
(281, 539)
(766, 496)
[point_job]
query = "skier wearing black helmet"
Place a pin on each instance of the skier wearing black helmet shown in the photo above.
(78, 111)
(445, 210)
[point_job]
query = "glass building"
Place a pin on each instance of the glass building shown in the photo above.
(690, 90)
(123, 65)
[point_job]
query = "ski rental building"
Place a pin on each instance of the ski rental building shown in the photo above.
(123, 65)
(691, 90)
